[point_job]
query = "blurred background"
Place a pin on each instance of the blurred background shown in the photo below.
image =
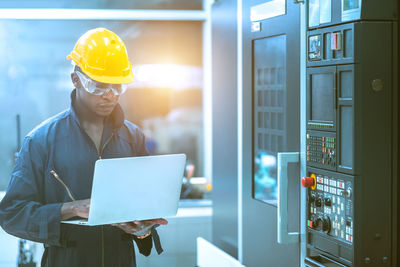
(165, 100)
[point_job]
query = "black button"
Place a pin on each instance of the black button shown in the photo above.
(328, 201)
(311, 197)
(318, 203)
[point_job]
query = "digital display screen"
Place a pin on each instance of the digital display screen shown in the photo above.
(350, 4)
(314, 43)
(314, 47)
(322, 94)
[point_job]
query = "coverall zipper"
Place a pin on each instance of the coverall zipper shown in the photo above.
(104, 146)
(99, 153)
(102, 246)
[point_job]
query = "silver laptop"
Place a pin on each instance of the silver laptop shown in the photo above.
(137, 188)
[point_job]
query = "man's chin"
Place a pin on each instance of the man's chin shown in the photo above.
(103, 112)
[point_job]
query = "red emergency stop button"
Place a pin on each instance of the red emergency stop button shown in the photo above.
(308, 182)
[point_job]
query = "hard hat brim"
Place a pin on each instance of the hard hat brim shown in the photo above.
(102, 78)
(112, 80)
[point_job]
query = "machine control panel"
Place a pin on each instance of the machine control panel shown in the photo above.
(330, 207)
(321, 150)
(344, 203)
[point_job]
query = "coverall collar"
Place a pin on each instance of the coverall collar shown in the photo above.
(114, 121)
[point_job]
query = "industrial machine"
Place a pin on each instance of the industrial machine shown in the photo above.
(350, 137)
(317, 106)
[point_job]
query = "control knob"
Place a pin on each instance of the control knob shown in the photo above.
(346, 193)
(318, 202)
(311, 197)
(328, 201)
(324, 224)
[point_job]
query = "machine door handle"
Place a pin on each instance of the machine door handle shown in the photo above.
(284, 237)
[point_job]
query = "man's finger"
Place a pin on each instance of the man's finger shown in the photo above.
(160, 221)
(126, 227)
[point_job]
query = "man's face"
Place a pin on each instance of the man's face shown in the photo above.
(101, 105)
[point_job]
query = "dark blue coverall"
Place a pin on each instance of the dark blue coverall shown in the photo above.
(32, 204)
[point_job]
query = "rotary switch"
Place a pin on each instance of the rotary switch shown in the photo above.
(328, 201)
(311, 197)
(326, 224)
(319, 202)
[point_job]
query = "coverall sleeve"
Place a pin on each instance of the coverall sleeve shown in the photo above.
(146, 244)
(22, 210)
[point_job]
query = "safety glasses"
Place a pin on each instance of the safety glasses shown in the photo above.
(98, 88)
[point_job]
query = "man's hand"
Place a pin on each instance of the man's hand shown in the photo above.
(140, 228)
(76, 208)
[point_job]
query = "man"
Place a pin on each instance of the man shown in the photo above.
(52, 178)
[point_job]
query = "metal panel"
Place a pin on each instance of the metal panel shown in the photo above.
(396, 143)
(373, 142)
(345, 117)
(270, 9)
(224, 136)
(260, 247)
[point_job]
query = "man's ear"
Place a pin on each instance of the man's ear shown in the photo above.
(75, 80)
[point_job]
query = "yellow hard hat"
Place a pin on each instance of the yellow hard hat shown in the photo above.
(102, 56)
